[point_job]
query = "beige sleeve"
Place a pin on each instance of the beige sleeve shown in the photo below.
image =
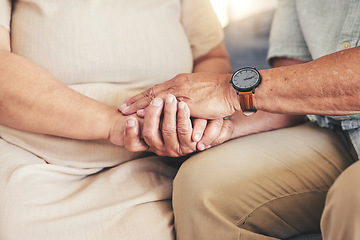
(201, 26)
(5, 13)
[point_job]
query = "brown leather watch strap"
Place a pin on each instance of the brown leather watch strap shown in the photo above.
(246, 102)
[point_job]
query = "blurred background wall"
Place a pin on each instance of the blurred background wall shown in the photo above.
(246, 25)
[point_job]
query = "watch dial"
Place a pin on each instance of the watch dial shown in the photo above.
(246, 79)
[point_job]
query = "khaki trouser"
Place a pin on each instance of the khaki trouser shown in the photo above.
(271, 185)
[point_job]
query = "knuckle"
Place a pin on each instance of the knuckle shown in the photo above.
(129, 147)
(149, 95)
(157, 151)
(218, 122)
(183, 130)
(186, 150)
(132, 148)
(180, 76)
(168, 152)
(174, 154)
(169, 131)
(182, 118)
(216, 142)
(229, 128)
(145, 93)
(161, 153)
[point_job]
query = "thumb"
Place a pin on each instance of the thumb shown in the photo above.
(132, 140)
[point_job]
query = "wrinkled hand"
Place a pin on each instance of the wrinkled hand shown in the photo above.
(175, 134)
(209, 96)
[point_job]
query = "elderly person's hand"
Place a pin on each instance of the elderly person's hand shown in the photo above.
(209, 96)
(174, 136)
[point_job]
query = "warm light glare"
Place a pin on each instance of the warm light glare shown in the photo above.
(240, 9)
(220, 7)
(233, 10)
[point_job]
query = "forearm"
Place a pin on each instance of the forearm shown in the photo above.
(33, 100)
(326, 86)
(265, 121)
(216, 61)
(262, 122)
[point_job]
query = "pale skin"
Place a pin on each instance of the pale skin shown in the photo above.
(326, 86)
(35, 101)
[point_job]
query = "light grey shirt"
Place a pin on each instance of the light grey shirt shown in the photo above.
(309, 29)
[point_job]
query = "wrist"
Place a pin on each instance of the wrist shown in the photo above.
(259, 98)
(244, 81)
(234, 99)
(114, 124)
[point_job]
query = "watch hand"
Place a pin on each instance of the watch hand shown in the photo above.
(248, 78)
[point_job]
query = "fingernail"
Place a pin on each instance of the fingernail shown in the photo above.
(125, 109)
(182, 105)
(130, 123)
(123, 106)
(169, 99)
(197, 137)
(201, 146)
(156, 102)
(140, 112)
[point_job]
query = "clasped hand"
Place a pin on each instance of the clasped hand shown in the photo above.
(168, 130)
(208, 95)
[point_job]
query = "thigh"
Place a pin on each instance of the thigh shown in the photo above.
(44, 201)
(341, 216)
(271, 183)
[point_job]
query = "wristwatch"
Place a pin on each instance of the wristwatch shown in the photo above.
(245, 80)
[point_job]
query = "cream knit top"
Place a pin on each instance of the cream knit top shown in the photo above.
(106, 49)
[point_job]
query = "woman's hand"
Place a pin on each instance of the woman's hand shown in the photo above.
(175, 134)
(117, 129)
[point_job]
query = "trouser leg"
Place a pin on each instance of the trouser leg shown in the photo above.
(341, 217)
(264, 186)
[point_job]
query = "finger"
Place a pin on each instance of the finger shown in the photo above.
(211, 132)
(225, 133)
(151, 126)
(141, 100)
(130, 109)
(140, 113)
(169, 133)
(184, 129)
(132, 139)
(199, 126)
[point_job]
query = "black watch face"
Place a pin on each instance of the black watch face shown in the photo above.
(246, 79)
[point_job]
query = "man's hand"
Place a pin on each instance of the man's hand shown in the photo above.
(174, 136)
(209, 96)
